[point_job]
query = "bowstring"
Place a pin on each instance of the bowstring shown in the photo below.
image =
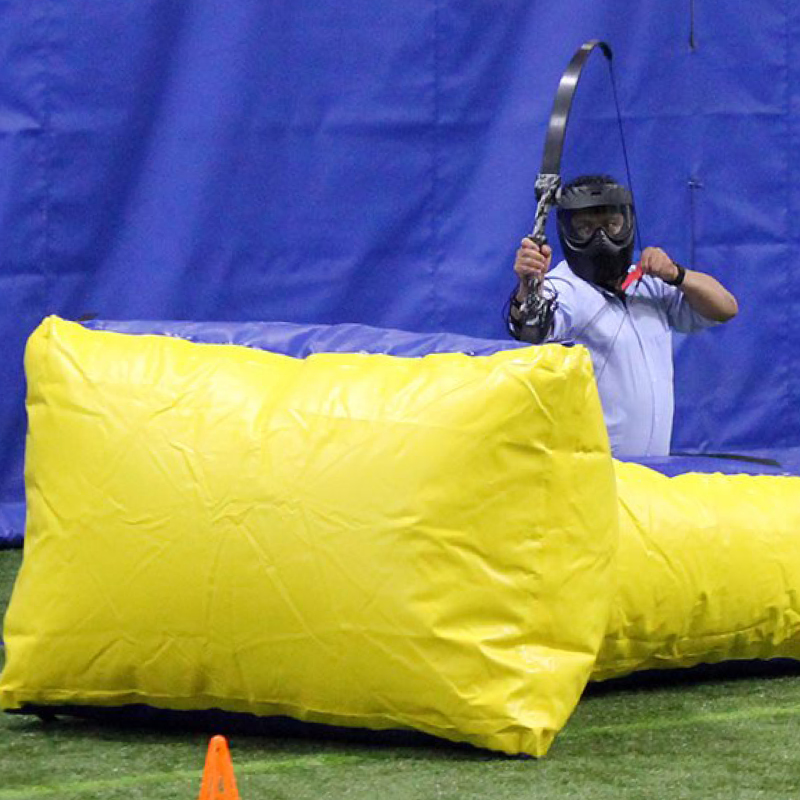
(624, 152)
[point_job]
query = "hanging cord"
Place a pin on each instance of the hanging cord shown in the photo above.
(694, 185)
(625, 153)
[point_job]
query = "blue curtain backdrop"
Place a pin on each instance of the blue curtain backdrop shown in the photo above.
(373, 161)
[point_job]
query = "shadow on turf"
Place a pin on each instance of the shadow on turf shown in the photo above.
(282, 729)
(702, 673)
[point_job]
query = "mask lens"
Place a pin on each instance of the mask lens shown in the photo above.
(616, 221)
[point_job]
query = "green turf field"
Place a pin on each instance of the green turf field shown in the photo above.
(736, 737)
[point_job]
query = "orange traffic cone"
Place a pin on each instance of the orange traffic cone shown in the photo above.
(218, 781)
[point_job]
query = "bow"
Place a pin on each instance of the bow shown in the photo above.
(548, 181)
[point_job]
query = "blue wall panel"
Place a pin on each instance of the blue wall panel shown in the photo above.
(374, 163)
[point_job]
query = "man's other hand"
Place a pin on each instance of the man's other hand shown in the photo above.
(657, 263)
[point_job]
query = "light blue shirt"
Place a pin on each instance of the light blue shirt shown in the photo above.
(630, 343)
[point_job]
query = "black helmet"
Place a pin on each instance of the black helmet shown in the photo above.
(596, 228)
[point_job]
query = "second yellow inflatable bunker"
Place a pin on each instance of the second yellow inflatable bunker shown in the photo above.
(708, 570)
(358, 540)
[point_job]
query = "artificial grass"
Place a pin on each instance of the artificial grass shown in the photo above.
(723, 734)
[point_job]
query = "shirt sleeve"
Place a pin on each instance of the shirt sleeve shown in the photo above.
(682, 317)
(564, 317)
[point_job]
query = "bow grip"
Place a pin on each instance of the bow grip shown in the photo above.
(539, 239)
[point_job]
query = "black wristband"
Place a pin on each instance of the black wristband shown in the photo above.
(678, 280)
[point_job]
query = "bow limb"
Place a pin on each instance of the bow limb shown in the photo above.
(548, 182)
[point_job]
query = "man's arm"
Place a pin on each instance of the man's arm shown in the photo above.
(706, 295)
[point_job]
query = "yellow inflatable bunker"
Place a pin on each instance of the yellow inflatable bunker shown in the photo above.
(708, 570)
(351, 539)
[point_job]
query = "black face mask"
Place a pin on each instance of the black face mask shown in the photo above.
(604, 256)
(600, 261)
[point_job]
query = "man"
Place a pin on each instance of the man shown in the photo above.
(627, 333)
